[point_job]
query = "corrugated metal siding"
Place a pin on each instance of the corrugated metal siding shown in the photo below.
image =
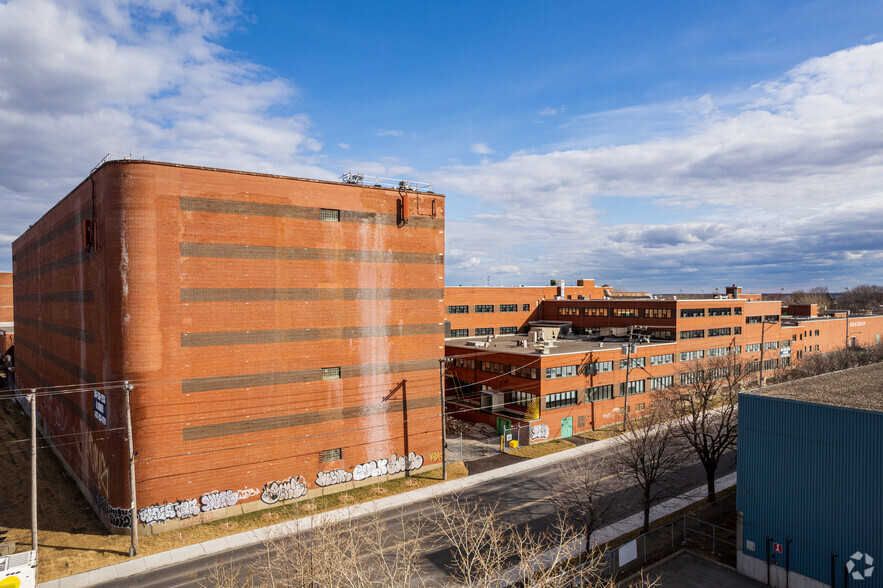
(812, 474)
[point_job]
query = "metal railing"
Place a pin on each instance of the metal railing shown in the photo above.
(379, 182)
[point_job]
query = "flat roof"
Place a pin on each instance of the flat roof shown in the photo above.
(509, 344)
(860, 388)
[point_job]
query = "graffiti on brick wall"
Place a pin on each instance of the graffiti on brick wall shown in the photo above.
(539, 432)
(98, 465)
(248, 493)
(372, 469)
(160, 513)
(293, 487)
(120, 518)
(216, 500)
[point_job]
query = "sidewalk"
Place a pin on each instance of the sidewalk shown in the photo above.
(256, 537)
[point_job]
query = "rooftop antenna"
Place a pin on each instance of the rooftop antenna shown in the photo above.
(488, 281)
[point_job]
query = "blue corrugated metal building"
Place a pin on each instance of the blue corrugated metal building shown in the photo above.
(810, 490)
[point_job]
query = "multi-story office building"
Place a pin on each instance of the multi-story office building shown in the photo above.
(580, 379)
(282, 336)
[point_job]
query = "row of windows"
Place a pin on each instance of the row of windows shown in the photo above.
(722, 351)
(664, 313)
(635, 362)
(756, 320)
(493, 367)
(484, 308)
(694, 334)
(718, 332)
(561, 372)
(482, 331)
(662, 359)
(716, 311)
(561, 399)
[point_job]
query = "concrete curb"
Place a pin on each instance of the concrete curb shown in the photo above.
(215, 546)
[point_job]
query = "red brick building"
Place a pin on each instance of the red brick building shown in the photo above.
(577, 381)
(282, 336)
(6, 316)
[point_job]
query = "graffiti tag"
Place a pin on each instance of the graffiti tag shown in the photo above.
(293, 487)
(371, 469)
(216, 500)
(539, 432)
(160, 513)
(333, 477)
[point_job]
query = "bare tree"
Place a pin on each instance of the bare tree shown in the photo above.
(818, 295)
(704, 404)
(647, 452)
(864, 298)
(576, 493)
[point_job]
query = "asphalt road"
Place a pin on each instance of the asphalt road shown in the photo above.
(522, 500)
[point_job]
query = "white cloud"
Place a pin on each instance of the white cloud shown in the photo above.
(388, 133)
(344, 146)
(765, 179)
(550, 111)
(146, 77)
(481, 148)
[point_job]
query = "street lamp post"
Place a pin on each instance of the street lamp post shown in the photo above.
(628, 371)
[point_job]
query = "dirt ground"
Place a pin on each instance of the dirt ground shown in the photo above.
(72, 540)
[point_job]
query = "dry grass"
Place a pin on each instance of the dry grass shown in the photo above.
(599, 434)
(72, 540)
(541, 449)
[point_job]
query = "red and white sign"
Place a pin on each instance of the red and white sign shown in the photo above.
(777, 547)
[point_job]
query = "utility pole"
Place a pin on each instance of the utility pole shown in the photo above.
(628, 371)
(133, 550)
(32, 399)
(442, 362)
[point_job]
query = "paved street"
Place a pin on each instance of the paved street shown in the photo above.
(523, 499)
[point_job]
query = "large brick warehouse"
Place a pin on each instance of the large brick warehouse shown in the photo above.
(282, 336)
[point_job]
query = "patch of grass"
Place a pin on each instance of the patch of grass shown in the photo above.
(541, 449)
(599, 434)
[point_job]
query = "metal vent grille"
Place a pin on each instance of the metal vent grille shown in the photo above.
(328, 214)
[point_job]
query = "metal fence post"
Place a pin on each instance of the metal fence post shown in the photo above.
(713, 538)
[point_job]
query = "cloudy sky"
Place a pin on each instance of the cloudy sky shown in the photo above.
(659, 146)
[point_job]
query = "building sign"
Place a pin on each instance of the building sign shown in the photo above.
(785, 352)
(99, 405)
(859, 569)
(777, 547)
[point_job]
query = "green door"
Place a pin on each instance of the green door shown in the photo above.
(567, 427)
(502, 425)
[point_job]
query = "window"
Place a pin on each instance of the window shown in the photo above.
(692, 312)
(770, 364)
(722, 351)
(817, 348)
(566, 371)
(771, 345)
(786, 361)
(508, 330)
(521, 399)
(636, 387)
(635, 362)
(691, 355)
(737, 330)
(530, 373)
(694, 334)
(594, 312)
(481, 331)
(664, 313)
(752, 347)
(459, 309)
(664, 335)
(626, 312)
(794, 337)
(719, 311)
(484, 308)
(720, 332)
(459, 332)
(599, 367)
(525, 307)
(494, 367)
(691, 378)
(465, 362)
(786, 343)
(662, 383)
(331, 373)
(817, 332)
(639, 406)
(568, 311)
(560, 399)
(772, 318)
(737, 310)
(752, 320)
(662, 359)
(329, 455)
(327, 214)
(599, 393)
(508, 308)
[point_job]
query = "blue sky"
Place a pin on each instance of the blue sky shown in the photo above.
(652, 146)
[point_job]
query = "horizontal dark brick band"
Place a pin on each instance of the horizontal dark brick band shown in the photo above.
(299, 376)
(71, 260)
(298, 335)
(62, 228)
(218, 250)
(306, 294)
(76, 409)
(72, 332)
(82, 373)
(86, 296)
(301, 212)
(304, 418)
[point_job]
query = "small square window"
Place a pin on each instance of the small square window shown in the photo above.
(331, 373)
(329, 214)
(329, 455)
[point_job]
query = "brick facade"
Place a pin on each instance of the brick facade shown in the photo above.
(264, 322)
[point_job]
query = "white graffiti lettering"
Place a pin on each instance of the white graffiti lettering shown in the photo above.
(372, 469)
(160, 513)
(248, 493)
(539, 432)
(293, 487)
(333, 477)
(216, 500)
(120, 518)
